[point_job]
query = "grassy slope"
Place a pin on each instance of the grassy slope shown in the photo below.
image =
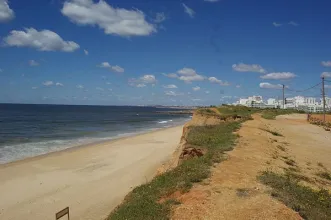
(310, 204)
(272, 113)
(143, 202)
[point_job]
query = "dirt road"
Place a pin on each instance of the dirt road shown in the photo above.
(233, 191)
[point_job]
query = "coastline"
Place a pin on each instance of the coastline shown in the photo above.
(89, 144)
(65, 178)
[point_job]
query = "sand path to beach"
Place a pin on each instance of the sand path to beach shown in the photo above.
(91, 180)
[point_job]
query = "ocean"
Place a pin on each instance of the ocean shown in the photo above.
(31, 130)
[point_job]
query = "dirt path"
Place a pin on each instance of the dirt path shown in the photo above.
(233, 191)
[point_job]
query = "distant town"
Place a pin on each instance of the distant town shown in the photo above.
(308, 104)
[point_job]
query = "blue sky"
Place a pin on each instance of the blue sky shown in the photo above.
(193, 52)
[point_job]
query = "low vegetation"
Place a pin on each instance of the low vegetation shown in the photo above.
(325, 175)
(153, 200)
(275, 133)
(310, 204)
(273, 113)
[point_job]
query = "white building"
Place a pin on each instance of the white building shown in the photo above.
(310, 101)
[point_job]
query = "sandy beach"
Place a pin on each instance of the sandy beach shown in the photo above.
(91, 180)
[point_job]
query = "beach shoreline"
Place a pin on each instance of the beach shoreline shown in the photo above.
(75, 147)
(38, 187)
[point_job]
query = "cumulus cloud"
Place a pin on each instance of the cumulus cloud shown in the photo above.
(189, 11)
(59, 84)
(266, 85)
(160, 17)
(148, 79)
(277, 24)
(170, 75)
(188, 75)
(99, 88)
(48, 83)
(172, 93)
(171, 86)
(80, 87)
(33, 63)
(218, 81)
(283, 75)
(44, 40)
(241, 67)
(86, 52)
(196, 88)
(142, 81)
(207, 92)
(238, 86)
(211, 0)
(6, 13)
(115, 68)
(115, 21)
(293, 23)
(326, 63)
(326, 74)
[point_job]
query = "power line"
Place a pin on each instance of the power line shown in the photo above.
(293, 90)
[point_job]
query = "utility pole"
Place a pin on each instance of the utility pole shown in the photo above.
(283, 96)
(323, 98)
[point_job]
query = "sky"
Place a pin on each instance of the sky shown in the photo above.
(161, 52)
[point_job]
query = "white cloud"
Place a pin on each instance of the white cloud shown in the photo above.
(34, 87)
(283, 75)
(188, 75)
(327, 86)
(80, 87)
(238, 86)
(218, 81)
(326, 74)
(266, 85)
(293, 23)
(170, 75)
(241, 67)
(189, 79)
(105, 65)
(148, 79)
(99, 88)
(142, 81)
(86, 52)
(187, 72)
(116, 21)
(160, 17)
(6, 13)
(48, 83)
(172, 93)
(171, 86)
(59, 84)
(196, 88)
(277, 24)
(207, 92)
(196, 100)
(33, 63)
(44, 40)
(189, 11)
(1, 70)
(326, 63)
(115, 68)
(211, 0)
